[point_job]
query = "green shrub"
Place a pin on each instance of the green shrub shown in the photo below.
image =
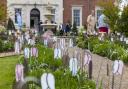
(63, 76)
(113, 50)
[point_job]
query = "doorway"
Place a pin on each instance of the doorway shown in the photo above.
(34, 18)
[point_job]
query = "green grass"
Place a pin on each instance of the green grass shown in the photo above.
(7, 71)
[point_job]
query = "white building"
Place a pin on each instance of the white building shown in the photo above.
(32, 11)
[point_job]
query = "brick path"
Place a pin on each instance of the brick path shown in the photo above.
(100, 69)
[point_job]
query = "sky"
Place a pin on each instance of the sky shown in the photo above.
(124, 2)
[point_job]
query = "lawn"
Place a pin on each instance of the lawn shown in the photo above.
(7, 71)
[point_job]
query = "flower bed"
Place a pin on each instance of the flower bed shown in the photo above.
(112, 50)
(63, 77)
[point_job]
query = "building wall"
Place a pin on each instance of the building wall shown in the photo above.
(87, 6)
(68, 4)
(28, 5)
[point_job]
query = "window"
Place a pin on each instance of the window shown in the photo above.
(98, 13)
(53, 12)
(77, 16)
(17, 10)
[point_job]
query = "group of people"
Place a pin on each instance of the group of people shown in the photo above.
(65, 28)
(103, 27)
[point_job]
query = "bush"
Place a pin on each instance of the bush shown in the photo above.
(6, 46)
(112, 50)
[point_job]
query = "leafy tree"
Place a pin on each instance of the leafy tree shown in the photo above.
(10, 25)
(2, 12)
(111, 11)
(123, 22)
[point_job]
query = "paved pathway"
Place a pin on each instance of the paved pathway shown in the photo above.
(100, 69)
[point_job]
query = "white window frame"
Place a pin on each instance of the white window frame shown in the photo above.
(77, 8)
(96, 9)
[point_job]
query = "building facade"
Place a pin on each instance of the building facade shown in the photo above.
(78, 10)
(32, 11)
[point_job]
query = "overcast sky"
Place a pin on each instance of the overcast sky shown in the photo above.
(124, 2)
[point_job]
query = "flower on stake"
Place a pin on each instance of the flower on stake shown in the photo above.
(73, 65)
(19, 72)
(47, 81)
(34, 52)
(26, 52)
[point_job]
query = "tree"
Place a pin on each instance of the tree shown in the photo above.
(123, 21)
(111, 11)
(2, 12)
(10, 25)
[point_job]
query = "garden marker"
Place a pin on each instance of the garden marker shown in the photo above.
(34, 52)
(19, 71)
(88, 61)
(46, 42)
(87, 58)
(57, 53)
(117, 70)
(70, 43)
(73, 66)
(47, 81)
(90, 69)
(26, 53)
(17, 46)
(62, 43)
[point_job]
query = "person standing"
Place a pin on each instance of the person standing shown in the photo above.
(91, 21)
(103, 26)
(67, 28)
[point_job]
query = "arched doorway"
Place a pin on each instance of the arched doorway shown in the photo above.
(34, 18)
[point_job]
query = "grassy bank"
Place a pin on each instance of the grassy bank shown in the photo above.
(7, 71)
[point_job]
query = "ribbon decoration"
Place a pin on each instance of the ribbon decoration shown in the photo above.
(62, 43)
(87, 59)
(26, 53)
(117, 70)
(47, 81)
(17, 46)
(46, 42)
(118, 67)
(57, 53)
(70, 43)
(19, 72)
(73, 66)
(34, 52)
(88, 62)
